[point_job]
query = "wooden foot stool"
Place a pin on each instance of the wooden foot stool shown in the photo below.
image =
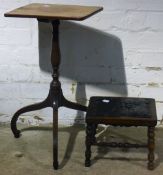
(120, 111)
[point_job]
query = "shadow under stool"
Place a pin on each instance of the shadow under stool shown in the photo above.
(121, 111)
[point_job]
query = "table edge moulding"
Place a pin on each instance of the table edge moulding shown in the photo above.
(54, 11)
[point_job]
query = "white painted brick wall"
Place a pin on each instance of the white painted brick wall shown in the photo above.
(90, 46)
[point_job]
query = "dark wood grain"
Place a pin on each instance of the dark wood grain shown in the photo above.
(120, 111)
(54, 11)
(151, 147)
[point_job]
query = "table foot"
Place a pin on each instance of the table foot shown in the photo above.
(55, 165)
(29, 108)
(17, 133)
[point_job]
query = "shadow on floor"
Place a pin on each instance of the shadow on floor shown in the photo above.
(132, 135)
(73, 133)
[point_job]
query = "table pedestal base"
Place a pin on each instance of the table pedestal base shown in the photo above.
(55, 98)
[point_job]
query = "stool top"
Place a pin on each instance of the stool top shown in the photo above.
(122, 110)
(54, 11)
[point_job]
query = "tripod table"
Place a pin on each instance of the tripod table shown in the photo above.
(52, 13)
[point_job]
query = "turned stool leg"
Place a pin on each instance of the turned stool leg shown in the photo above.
(88, 142)
(151, 146)
(94, 132)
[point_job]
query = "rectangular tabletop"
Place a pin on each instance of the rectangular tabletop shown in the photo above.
(54, 11)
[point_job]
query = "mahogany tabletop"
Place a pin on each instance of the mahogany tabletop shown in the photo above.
(54, 11)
